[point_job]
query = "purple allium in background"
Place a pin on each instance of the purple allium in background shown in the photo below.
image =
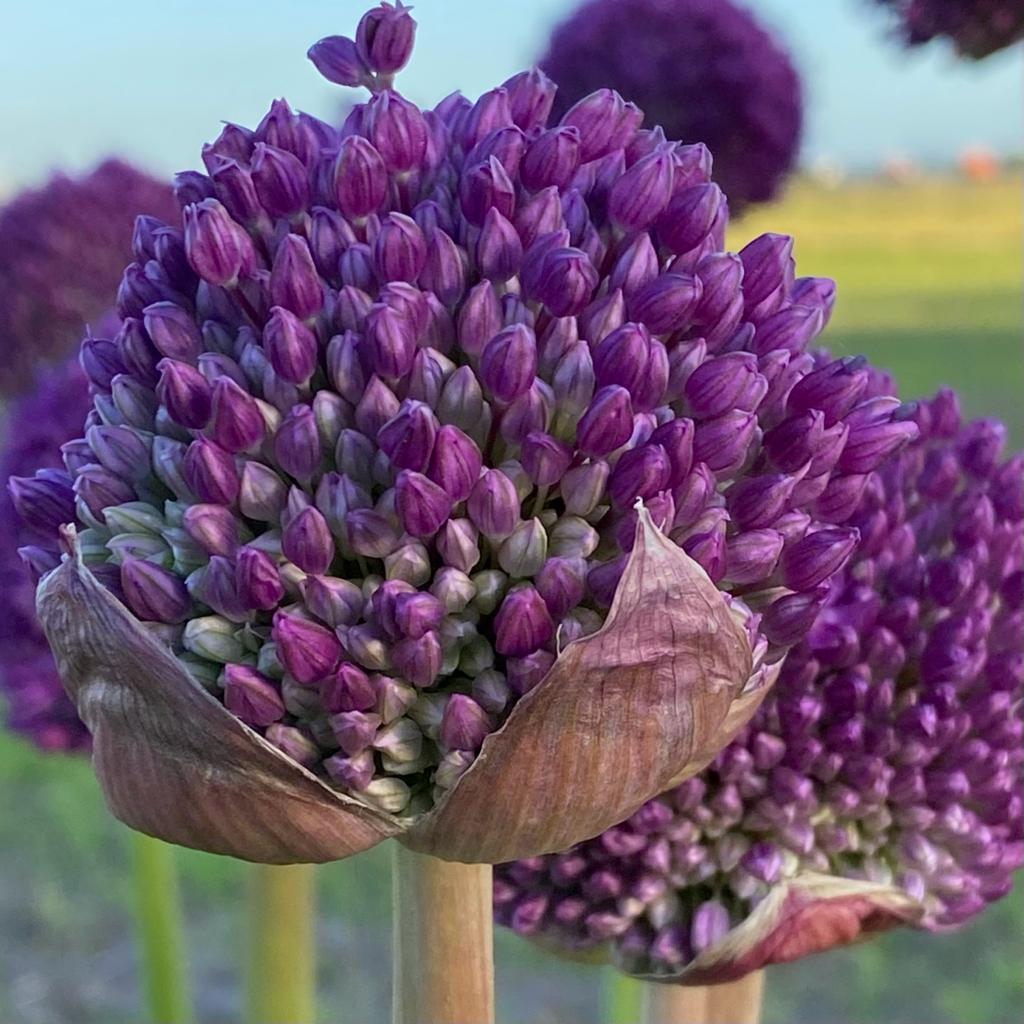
(34, 429)
(63, 248)
(889, 750)
(704, 70)
(366, 449)
(976, 28)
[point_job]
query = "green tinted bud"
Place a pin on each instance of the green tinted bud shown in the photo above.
(187, 555)
(402, 740)
(206, 673)
(213, 638)
(490, 588)
(394, 698)
(452, 766)
(523, 552)
(572, 537)
(388, 794)
(476, 656)
(134, 517)
(125, 546)
(428, 711)
(491, 691)
(93, 545)
(519, 477)
(410, 562)
(267, 661)
(301, 701)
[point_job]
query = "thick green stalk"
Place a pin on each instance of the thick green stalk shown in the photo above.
(282, 946)
(621, 997)
(161, 938)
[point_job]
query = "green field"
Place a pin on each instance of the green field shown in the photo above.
(930, 286)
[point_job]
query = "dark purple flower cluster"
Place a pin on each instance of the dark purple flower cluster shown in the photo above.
(63, 248)
(890, 749)
(977, 28)
(704, 70)
(34, 429)
(367, 445)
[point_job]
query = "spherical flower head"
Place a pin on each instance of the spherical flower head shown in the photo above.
(63, 248)
(976, 28)
(35, 427)
(704, 70)
(878, 783)
(448, 451)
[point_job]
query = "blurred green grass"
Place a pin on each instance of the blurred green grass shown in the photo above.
(930, 287)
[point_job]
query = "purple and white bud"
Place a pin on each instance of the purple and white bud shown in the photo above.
(455, 463)
(154, 594)
(464, 725)
(422, 505)
(608, 422)
(252, 697)
(308, 652)
(493, 505)
(523, 624)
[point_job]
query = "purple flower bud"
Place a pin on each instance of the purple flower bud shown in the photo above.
(397, 129)
(385, 37)
(307, 651)
(257, 581)
(391, 341)
(561, 582)
(607, 424)
(727, 382)
(509, 362)
(757, 501)
(545, 458)
(722, 443)
(565, 281)
(643, 191)
(812, 560)
(337, 59)
(416, 614)
(690, 217)
(281, 181)
(499, 250)
(354, 773)
(355, 730)
(767, 274)
(583, 487)
(290, 345)
(297, 443)
(422, 505)
(464, 725)
(408, 438)
(551, 159)
(213, 527)
(211, 473)
(294, 743)
(237, 423)
(306, 541)
(44, 501)
(457, 544)
(349, 689)
(790, 329)
(360, 178)
(184, 393)
(120, 450)
(455, 463)
(816, 293)
(493, 505)
(605, 123)
(530, 97)
(834, 389)
(419, 660)
(218, 249)
(667, 303)
(399, 250)
(622, 357)
(294, 282)
(486, 186)
(709, 926)
(869, 444)
(489, 114)
(787, 620)
(152, 593)
(523, 624)
(262, 493)
(752, 556)
(101, 361)
(252, 697)
(370, 533)
(173, 330)
(639, 473)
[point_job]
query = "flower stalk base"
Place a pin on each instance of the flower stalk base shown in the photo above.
(737, 1002)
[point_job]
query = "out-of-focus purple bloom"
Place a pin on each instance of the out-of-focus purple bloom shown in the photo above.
(705, 71)
(888, 756)
(976, 28)
(63, 248)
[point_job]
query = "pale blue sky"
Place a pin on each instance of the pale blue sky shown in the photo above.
(152, 79)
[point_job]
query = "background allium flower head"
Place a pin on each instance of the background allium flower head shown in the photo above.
(453, 456)
(704, 70)
(888, 755)
(976, 28)
(63, 248)
(33, 431)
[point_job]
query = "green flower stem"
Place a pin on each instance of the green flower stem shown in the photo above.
(161, 938)
(281, 979)
(621, 997)
(443, 949)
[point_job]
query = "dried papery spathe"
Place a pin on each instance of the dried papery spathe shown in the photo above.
(806, 914)
(619, 714)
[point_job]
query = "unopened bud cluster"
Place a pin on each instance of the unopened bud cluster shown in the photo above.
(367, 450)
(976, 28)
(890, 749)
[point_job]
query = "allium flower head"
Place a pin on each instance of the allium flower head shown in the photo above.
(878, 783)
(63, 248)
(34, 429)
(704, 70)
(479, 489)
(976, 28)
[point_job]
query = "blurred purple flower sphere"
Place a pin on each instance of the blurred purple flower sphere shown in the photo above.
(976, 28)
(63, 248)
(704, 70)
(889, 752)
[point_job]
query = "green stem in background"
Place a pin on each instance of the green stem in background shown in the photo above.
(621, 997)
(161, 938)
(281, 979)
